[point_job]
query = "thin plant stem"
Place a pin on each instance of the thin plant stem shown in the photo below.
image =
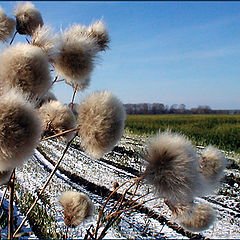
(10, 205)
(133, 207)
(27, 40)
(109, 224)
(121, 199)
(137, 185)
(60, 80)
(5, 191)
(55, 80)
(120, 204)
(45, 185)
(73, 97)
(109, 197)
(60, 134)
(4, 194)
(88, 233)
(67, 228)
(13, 38)
(133, 201)
(115, 213)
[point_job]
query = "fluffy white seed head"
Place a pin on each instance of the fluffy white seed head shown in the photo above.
(99, 32)
(25, 66)
(197, 217)
(28, 18)
(212, 164)
(57, 118)
(44, 38)
(75, 61)
(101, 119)
(5, 176)
(172, 168)
(7, 26)
(20, 129)
(77, 207)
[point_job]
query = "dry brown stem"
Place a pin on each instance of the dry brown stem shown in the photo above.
(45, 185)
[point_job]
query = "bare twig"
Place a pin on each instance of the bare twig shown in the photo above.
(130, 202)
(4, 194)
(27, 40)
(120, 205)
(60, 80)
(121, 199)
(10, 206)
(5, 191)
(60, 134)
(55, 80)
(133, 207)
(13, 38)
(67, 232)
(45, 185)
(73, 97)
(109, 197)
(88, 233)
(42, 95)
(137, 185)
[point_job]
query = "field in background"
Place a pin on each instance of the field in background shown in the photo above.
(222, 131)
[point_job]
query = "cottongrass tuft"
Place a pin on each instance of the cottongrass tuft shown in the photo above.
(77, 207)
(7, 26)
(25, 66)
(20, 129)
(5, 176)
(212, 164)
(101, 121)
(172, 168)
(99, 32)
(75, 61)
(198, 217)
(44, 38)
(28, 18)
(57, 118)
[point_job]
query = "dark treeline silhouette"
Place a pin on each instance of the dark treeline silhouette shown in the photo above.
(160, 108)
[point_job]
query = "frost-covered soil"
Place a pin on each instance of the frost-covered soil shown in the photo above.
(96, 178)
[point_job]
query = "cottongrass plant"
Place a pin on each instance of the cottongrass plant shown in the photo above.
(44, 38)
(26, 67)
(77, 207)
(20, 129)
(76, 58)
(200, 219)
(28, 18)
(57, 118)
(7, 26)
(212, 165)
(98, 31)
(101, 122)
(193, 216)
(172, 168)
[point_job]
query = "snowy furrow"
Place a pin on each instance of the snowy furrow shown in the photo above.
(122, 164)
(61, 183)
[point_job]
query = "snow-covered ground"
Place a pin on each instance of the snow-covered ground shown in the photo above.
(94, 177)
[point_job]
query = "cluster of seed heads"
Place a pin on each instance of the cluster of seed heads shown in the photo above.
(179, 175)
(29, 111)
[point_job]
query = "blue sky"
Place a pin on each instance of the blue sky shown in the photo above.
(167, 52)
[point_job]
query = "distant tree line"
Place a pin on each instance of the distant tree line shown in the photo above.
(160, 108)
